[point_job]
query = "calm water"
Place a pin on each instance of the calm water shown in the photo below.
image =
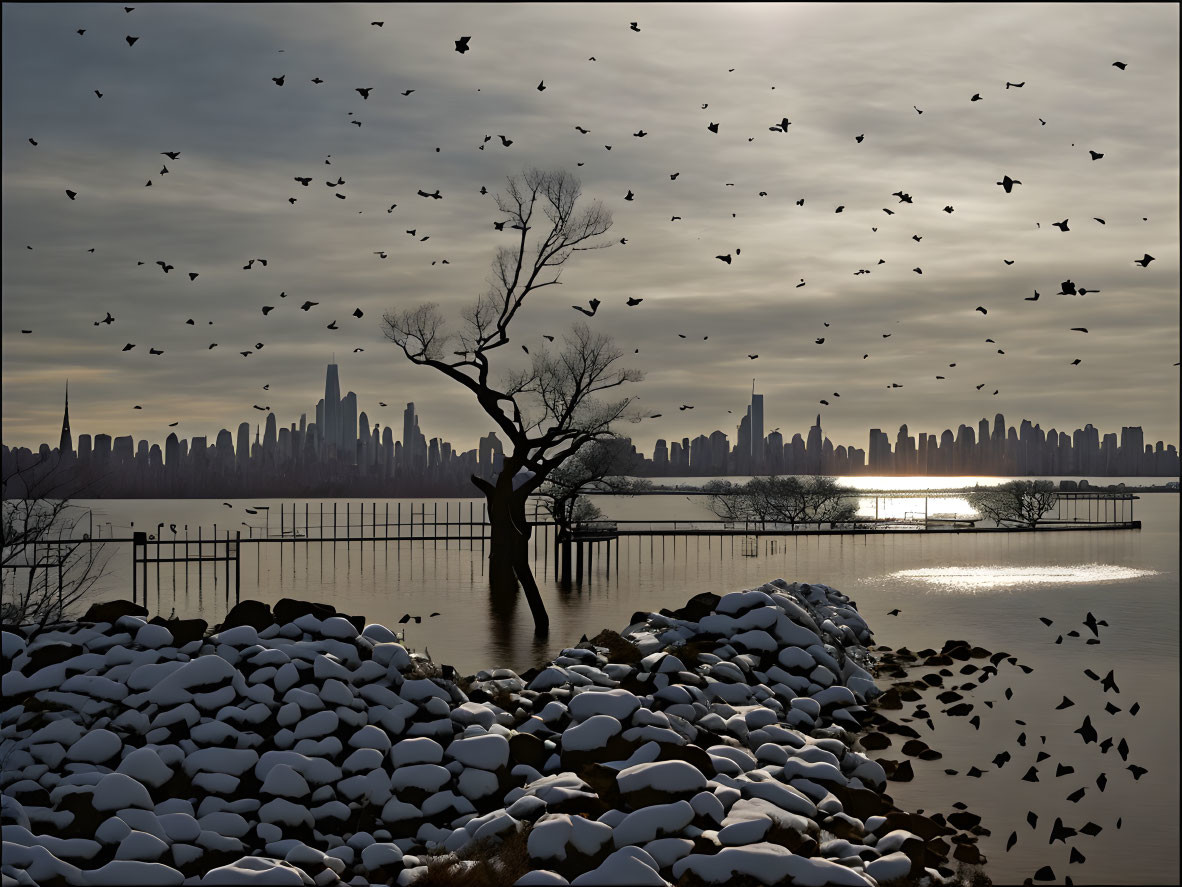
(988, 589)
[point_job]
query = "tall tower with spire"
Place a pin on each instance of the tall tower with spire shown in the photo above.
(66, 446)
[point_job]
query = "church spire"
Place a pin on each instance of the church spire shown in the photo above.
(66, 445)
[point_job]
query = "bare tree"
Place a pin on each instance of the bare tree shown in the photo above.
(600, 467)
(780, 500)
(556, 407)
(1024, 502)
(48, 565)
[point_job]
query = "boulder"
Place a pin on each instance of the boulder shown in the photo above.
(256, 614)
(183, 631)
(289, 610)
(110, 611)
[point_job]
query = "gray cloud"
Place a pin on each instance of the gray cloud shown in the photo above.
(198, 81)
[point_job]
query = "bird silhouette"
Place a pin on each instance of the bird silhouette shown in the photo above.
(332, 326)
(1144, 262)
(821, 341)
(436, 195)
(634, 301)
(462, 45)
(590, 312)
(752, 356)
(1033, 298)
(1060, 832)
(894, 612)
(859, 138)
(1095, 155)
(982, 310)
(505, 142)
(317, 80)
(1008, 183)
(713, 127)
(629, 195)
(1015, 85)
(307, 305)
(155, 351)
(364, 92)
(1079, 329)
(726, 258)
(131, 40)
(279, 80)
(1062, 226)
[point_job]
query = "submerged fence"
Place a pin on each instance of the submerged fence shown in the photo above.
(291, 526)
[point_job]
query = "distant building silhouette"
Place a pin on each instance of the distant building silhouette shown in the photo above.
(343, 454)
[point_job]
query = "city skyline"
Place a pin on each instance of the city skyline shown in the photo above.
(340, 452)
(223, 207)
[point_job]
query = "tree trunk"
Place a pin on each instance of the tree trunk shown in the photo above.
(508, 558)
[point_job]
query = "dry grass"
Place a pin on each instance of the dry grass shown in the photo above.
(495, 864)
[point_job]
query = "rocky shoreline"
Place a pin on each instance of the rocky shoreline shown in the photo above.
(714, 744)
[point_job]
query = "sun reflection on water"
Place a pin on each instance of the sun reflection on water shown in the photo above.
(986, 577)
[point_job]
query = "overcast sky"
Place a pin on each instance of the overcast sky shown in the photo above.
(199, 81)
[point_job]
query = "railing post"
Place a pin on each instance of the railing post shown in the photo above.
(238, 567)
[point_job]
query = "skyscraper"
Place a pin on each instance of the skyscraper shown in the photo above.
(331, 429)
(66, 446)
(757, 459)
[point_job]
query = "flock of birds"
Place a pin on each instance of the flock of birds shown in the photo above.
(1087, 731)
(462, 45)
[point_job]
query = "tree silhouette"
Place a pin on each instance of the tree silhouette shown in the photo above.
(47, 565)
(600, 467)
(1024, 502)
(780, 500)
(549, 411)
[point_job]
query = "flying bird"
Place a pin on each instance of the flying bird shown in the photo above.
(462, 45)
(1095, 155)
(332, 326)
(859, 138)
(131, 40)
(1008, 183)
(1062, 226)
(364, 91)
(726, 258)
(1033, 298)
(357, 312)
(1144, 263)
(542, 86)
(308, 305)
(1015, 85)
(982, 310)
(279, 80)
(590, 312)
(635, 27)
(713, 127)
(436, 195)
(1079, 329)
(634, 301)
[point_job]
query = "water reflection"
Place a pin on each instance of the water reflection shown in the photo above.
(989, 577)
